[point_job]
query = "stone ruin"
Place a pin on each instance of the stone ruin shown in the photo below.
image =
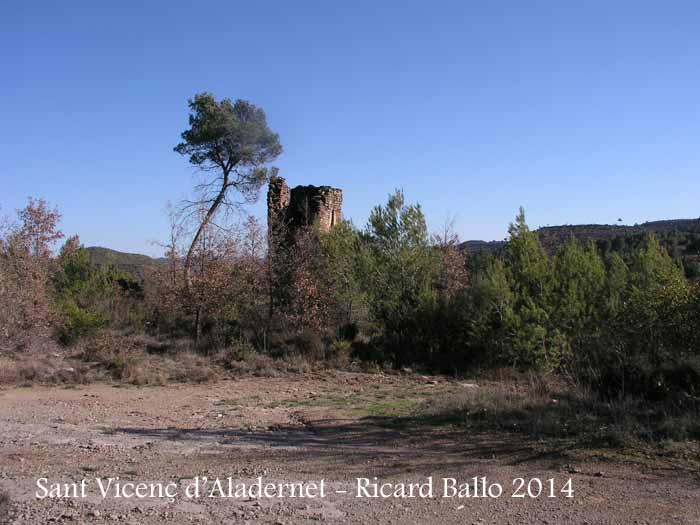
(303, 206)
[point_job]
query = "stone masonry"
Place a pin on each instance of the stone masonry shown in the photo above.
(303, 205)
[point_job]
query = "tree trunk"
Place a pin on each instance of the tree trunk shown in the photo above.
(207, 218)
(197, 325)
(190, 253)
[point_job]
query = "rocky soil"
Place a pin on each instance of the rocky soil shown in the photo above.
(334, 427)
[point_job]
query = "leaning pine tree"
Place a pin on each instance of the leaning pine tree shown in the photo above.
(231, 143)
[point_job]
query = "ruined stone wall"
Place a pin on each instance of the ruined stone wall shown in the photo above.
(277, 201)
(288, 211)
(331, 210)
(311, 205)
(303, 205)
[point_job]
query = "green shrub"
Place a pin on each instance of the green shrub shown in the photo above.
(119, 366)
(78, 323)
(348, 331)
(682, 376)
(339, 353)
(240, 350)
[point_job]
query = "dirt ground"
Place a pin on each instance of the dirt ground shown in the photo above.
(332, 427)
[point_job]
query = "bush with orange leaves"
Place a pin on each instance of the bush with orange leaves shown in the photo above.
(26, 312)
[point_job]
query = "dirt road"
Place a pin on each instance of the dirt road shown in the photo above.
(336, 428)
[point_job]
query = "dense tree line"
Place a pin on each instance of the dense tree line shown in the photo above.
(623, 322)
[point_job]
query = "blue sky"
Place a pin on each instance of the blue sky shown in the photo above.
(580, 111)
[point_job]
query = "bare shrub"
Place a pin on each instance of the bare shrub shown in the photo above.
(309, 344)
(180, 345)
(101, 348)
(257, 365)
(8, 374)
(43, 368)
(71, 375)
(191, 368)
(143, 360)
(140, 374)
(265, 366)
(149, 344)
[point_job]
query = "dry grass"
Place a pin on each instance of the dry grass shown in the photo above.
(142, 360)
(48, 369)
(139, 359)
(543, 408)
(258, 365)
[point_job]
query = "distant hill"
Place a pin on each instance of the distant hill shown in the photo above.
(133, 263)
(477, 246)
(554, 236)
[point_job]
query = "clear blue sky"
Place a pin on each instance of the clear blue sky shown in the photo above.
(579, 111)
